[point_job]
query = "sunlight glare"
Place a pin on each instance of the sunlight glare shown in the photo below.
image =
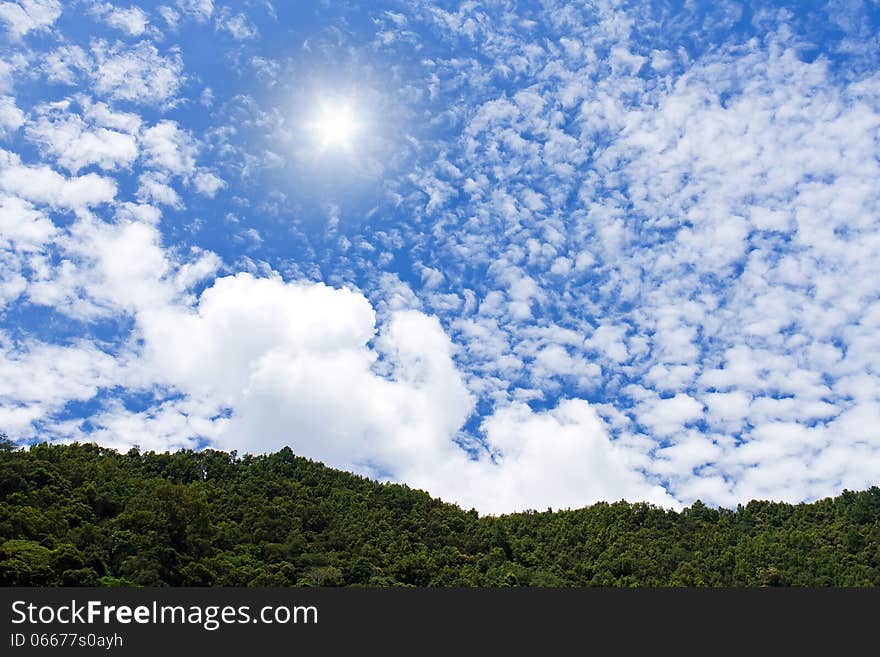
(335, 126)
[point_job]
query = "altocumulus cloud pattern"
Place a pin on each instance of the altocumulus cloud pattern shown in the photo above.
(520, 254)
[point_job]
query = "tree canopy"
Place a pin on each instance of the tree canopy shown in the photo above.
(84, 515)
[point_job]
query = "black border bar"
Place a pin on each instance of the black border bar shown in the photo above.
(470, 621)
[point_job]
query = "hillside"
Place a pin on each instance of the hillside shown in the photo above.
(84, 515)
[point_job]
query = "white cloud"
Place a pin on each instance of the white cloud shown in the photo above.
(237, 25)
(199, 9)
(22, 226)
(610, 341)
(207, 183)
(169, 149)
(37, 379)
(558, 458)
(690, 451)
(102, 115)
(75, 144)
(724, 238)
(7, 69)
(25, 16)
(727, 410)
(103, 269)
(153, 187)
(275, 354)
(170, 16)
(665, 417)
(41, 184)
(148, 214)
(11, 117)
(64, 64)
(137, 73)
(131, 20)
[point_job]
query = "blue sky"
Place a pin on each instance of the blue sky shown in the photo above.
(518, 254)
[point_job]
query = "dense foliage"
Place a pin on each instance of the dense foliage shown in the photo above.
(84, 515)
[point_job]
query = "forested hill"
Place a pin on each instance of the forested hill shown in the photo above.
(84, 515)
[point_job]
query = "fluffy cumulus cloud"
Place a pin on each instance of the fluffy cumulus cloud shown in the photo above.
(42, 184)
(75, 142)
(518, 256)
(131, 20)
(11, 117)
(25, 16)
(169, 149)
(135, 72)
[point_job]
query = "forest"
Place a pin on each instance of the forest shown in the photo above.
(83, 515)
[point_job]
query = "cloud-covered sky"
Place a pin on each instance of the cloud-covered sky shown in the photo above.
(519, 254)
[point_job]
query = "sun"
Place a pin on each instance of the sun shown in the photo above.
(335, 126)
